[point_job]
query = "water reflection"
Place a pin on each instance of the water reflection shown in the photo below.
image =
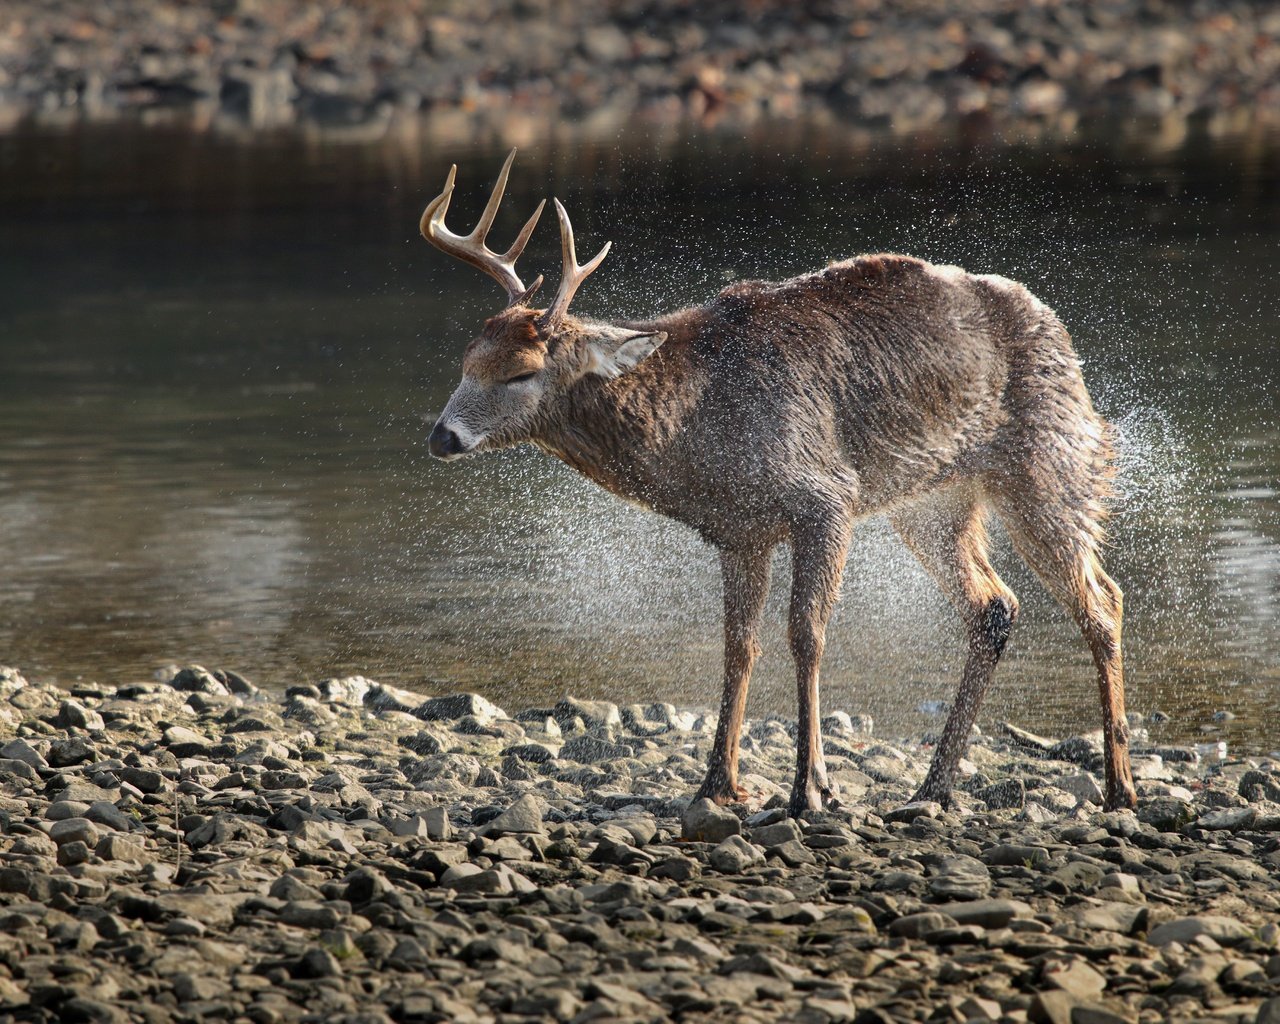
(220, 361)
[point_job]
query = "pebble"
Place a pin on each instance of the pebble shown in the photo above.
(734, 855)
(336, 870)
(706, 822)
(1224, 930)
(524, 817)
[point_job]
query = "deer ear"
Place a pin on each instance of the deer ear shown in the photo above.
(613, 356)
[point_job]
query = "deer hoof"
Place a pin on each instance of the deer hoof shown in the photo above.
(932, 794)
(1120, 798)
(721, 791)
(812, 796)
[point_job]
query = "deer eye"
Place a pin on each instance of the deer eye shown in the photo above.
(522, 377)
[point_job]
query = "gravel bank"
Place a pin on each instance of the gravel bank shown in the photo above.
(198, 850)
(906, 65)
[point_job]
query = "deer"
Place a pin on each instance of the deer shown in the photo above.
(786, 412)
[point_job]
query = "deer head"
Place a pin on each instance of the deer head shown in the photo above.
(524, 358)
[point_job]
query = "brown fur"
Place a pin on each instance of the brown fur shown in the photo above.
(785, 412)
(507, 348)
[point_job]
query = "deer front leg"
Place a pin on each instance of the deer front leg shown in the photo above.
(817, 565)
(746, 582)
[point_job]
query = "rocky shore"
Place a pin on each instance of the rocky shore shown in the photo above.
(196, 849)
(267, 63)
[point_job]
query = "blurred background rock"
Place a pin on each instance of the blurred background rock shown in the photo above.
(903, 65)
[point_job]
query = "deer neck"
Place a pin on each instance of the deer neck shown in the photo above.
(616, 432)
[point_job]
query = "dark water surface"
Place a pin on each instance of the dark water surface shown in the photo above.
(219, 361)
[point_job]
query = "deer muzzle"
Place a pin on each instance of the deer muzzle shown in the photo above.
(445, 443)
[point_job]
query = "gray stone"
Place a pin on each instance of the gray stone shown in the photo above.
(1074, 976)
(70, 830)
(534, 753)
(1084, 750)
(676, 868)
(193, 987)
(1037, 813)
(704, 821)
(1229, 819)
(912, 811)
(768, 836)
(1008, 855)
(1111, 916)
(524, 817)
(115, 847)
(225, 827)
(1007, 794)
(73, 853)
(458, 705)
(104, 812)
(473, 878)
(437, 820)
(16, 769)
(917, 926)
(961, 878)
(734, 855)
(1053, 1006)
(1120, 887)
(589, 750)
(317, 963)
(1165, 814)
(349, 690)
(366, 884)
(986, 913)
(292, 889)
(1096, 1013)
(71, 751)
(198, 679)
(21, 750)
(793, 854)
(1225, 930)
(595, 714)
(184, 742)
(148, 780)
(310, 914)
(60, 810)
(1083, 786)
(74, 715)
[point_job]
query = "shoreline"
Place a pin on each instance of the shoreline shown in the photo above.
(268, 64)
(351, 848)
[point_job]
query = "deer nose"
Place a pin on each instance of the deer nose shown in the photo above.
(444, 442)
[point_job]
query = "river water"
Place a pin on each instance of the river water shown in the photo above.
(219, 360)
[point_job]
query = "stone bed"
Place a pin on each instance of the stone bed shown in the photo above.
(198, 849)
(907, 65)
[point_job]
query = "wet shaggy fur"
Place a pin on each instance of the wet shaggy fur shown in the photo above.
(785, 412)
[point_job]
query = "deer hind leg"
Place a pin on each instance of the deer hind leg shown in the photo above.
(1060, 542)
(819, 548)
(947, 535)
(746, 583)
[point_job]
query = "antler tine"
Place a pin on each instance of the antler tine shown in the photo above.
(471, 248)
(573, 275)
(522, 239)
(438, 207)
(481, 230)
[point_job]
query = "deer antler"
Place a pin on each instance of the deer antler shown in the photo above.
(573, 275)
(471, 248)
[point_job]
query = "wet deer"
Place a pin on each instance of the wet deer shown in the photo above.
(784, 413)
